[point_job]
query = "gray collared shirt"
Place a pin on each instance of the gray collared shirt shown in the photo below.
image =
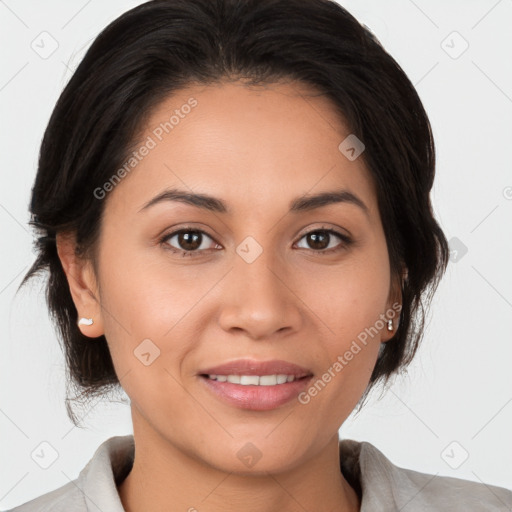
(382, 486)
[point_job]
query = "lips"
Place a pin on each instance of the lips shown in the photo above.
(253, 367)
(234, 383)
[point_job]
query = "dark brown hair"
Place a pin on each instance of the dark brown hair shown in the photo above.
(161, 46)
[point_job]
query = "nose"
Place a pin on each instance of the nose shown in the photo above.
(258, 300)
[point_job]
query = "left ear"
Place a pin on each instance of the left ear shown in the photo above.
(393, 306)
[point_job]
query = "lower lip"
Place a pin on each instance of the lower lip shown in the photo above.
(256, 398)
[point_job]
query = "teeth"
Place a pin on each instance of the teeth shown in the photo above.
(249, 379)
(254, 380)
(268, 380)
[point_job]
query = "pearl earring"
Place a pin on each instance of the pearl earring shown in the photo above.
(85, 321)
(390, 325)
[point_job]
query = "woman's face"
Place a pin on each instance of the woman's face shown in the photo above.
(254, 285)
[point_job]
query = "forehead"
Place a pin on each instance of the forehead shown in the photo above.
(254, 146)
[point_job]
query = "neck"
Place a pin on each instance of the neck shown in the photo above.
(164, 475)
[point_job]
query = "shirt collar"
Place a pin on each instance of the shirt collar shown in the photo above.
(107, 468)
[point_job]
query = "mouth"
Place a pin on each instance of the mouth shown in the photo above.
(253, 385)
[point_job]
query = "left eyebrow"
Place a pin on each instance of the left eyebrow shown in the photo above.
(306, 203)
(300, 204)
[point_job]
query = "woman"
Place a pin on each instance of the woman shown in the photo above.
(233, 207)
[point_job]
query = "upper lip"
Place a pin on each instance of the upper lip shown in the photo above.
(253, 367)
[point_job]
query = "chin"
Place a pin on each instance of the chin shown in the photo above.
(256, 457)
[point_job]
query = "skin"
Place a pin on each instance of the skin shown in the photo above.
(257, 149)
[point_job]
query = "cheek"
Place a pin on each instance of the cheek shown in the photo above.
(348, 298)
(153, 318)
(348, 351)
(348, 302)
(145, 294)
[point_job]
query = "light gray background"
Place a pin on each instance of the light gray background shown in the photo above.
(457, 397)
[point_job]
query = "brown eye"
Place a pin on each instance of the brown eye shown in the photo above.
(188, 241)
(318, 239)
(324, 240)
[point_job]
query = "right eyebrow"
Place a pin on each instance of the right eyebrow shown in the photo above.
(200, 200)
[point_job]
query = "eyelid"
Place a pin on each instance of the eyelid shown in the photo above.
(334, 229)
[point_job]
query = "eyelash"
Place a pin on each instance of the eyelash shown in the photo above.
(346, 241)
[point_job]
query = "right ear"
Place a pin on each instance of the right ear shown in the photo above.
(82, 284)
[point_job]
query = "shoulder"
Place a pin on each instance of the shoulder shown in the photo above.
(384, 483)
(95, 488)
(63, 499)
